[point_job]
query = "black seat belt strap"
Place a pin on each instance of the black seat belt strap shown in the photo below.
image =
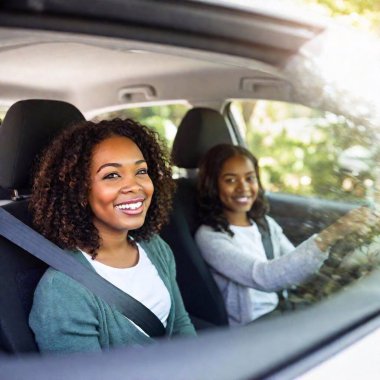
(31, 241)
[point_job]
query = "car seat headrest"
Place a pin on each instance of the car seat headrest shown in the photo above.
(27, 128)
(199, 130)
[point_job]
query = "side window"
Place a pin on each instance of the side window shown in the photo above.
(3, 111)
(317, 166)
(162, 118)
(309, 152)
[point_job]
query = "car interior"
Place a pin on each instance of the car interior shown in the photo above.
(25, 131)
(100, 74)
(22, 271)
(54, 77)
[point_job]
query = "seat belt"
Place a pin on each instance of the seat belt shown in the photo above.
(263, 227)
(264, 230)
(31, 241)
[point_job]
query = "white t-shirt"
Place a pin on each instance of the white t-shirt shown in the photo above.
(141, 281)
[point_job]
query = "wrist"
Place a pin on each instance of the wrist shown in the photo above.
(327, 238)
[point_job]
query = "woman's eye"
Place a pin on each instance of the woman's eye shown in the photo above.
(142, 171)
(230, 180)
(111, 176)
(252, 179)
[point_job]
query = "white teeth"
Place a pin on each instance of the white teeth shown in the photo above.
(242, 199)
(129, 206)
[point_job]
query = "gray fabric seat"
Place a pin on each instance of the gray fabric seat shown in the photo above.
(200, 129)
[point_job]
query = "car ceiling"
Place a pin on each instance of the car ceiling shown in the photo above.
(72, 59)
(96, 72)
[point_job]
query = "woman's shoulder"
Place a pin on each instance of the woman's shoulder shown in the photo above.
(56, 295)
(155, 242)
(52, 277)
(203, 228)
(273, 225)
(157, 248)
(205, 232)
(56, 283)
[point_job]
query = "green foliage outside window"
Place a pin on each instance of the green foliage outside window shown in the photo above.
(3, 111)
(164, 119)
(362, 14)
(301, 150)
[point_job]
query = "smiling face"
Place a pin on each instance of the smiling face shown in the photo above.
(120, 187)
(238, 188)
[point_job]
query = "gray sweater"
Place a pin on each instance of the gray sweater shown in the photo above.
(246, 278)
(67, 317)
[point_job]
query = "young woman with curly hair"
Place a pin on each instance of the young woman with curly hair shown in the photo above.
(103, 191)
(235, 229)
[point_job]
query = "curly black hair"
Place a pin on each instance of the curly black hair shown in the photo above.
(210, 206)
(59, 201)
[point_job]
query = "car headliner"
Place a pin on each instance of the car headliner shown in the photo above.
(88, 69)
(93, 72)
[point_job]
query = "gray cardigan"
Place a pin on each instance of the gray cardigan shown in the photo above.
(66, 317)
(241, 276)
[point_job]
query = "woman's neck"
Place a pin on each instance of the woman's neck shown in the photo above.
(117, 252)
(235, 219)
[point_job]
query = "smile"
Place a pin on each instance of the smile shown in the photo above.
(244, 199)
(129, 206)
(132, 206)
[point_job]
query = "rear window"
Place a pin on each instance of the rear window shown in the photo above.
(164, 119)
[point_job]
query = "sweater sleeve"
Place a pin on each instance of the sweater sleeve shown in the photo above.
(237, 264)
(64, 317)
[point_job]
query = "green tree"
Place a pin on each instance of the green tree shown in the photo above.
(299, 149)
(363, 14)
(164, 119)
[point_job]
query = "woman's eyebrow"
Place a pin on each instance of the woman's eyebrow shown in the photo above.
(117, 165)
(113, 164)
(235, 174)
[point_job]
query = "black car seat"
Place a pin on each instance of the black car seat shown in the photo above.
(27, 128)
(200, 129)
(5, 194)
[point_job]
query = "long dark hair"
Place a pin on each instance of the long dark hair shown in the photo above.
(59, 201)
(210, 206)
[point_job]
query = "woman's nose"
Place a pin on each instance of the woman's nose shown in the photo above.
(130, 183)
(241, 185)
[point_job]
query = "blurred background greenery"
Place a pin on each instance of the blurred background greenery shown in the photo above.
(361, 14)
